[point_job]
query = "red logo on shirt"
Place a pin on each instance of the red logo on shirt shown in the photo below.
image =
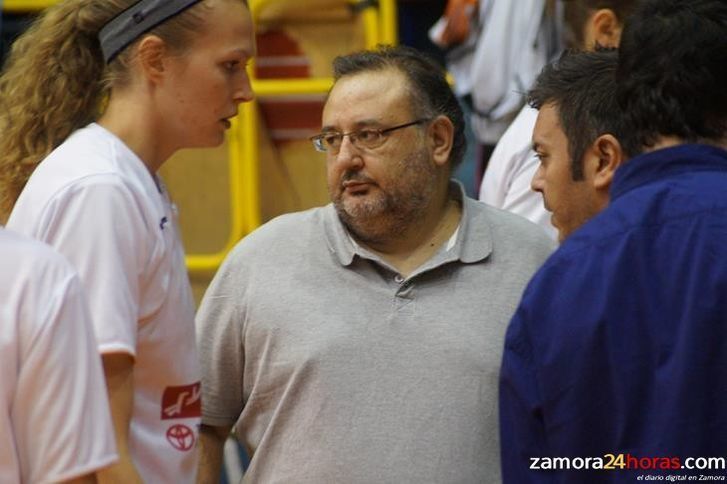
(181, 437)
(181, 402)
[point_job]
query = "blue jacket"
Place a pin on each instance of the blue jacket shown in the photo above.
(619, 345)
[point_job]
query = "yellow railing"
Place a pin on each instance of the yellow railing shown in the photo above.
(26, 5)
(389, 22)
(243, 186)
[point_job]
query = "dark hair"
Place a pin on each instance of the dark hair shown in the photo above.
(430, 93)
(581, 85)
(672, 73)
(577, 12)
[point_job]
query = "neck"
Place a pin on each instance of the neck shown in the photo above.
(408, 249)
(132, 122)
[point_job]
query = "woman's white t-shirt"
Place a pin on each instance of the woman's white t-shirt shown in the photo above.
(95, 202)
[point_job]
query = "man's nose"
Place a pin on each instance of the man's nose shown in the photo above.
(538, 182)
(349, 154)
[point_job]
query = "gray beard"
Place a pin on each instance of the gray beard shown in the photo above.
(392, 213)
(387, 221)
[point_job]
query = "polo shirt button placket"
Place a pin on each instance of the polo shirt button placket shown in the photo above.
(405, 290)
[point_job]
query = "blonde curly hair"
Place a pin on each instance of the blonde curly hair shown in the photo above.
(55, 81)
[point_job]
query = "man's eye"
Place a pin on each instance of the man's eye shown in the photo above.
(367, 135)
(332, 139)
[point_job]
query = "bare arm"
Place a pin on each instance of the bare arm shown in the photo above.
(119, 371)
(211, 446)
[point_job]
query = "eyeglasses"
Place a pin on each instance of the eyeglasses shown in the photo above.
(366, 138)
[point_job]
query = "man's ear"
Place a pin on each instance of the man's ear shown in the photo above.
(610, 156)
(151, 52)
(441, 133)
(606, 28)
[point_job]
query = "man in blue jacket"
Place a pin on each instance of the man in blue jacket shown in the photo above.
(614, 367)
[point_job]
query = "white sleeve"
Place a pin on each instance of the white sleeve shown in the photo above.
(506, 162)
(496, 180)
(98, 226)
(61, 417)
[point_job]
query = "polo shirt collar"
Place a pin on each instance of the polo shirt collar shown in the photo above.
(473, 236)
(475, 239)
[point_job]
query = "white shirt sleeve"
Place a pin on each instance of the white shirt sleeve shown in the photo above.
(61, 420)
(97, 225)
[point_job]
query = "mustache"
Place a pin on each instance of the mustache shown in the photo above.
(354, 176)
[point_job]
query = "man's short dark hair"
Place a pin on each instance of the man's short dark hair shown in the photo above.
(672, 73)
(581, 86)
(430, 93)
(577, 12)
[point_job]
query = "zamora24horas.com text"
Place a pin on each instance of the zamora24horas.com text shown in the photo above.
(630, 462)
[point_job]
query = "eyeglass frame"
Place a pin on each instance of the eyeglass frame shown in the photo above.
(317, 140)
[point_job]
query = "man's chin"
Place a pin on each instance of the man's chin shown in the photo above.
(365, 221)
(360, 208)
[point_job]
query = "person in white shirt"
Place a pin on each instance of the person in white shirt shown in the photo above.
(97, 95)
(506, 182)
(54, 417)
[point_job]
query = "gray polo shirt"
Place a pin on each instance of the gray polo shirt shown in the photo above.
(335, 369)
